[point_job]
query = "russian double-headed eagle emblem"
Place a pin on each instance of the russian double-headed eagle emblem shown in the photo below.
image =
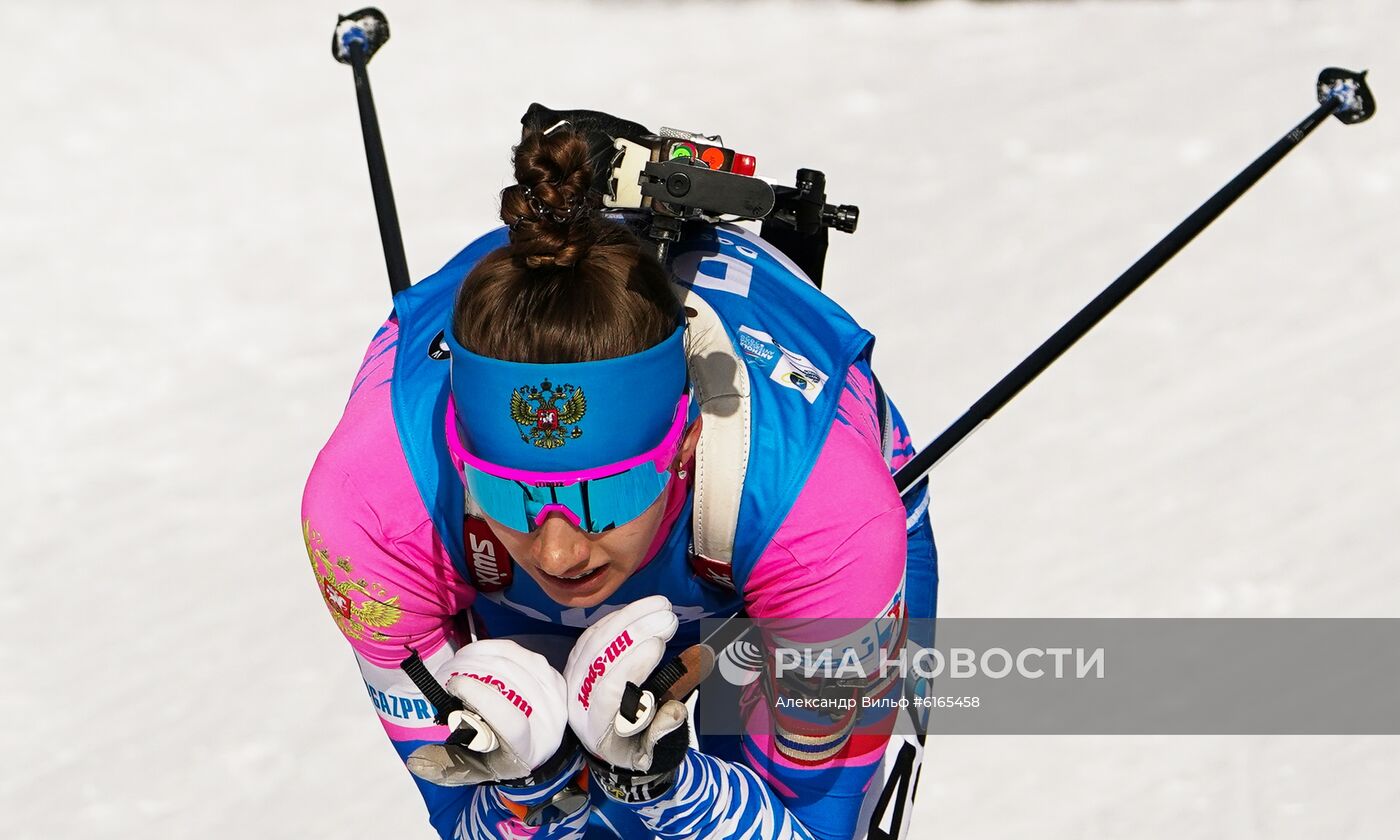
(364, 618)
(542, 419)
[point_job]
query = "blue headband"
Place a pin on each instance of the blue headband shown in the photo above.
(570, 415)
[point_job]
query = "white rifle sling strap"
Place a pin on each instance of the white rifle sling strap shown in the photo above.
(885, 418)
(721, 383)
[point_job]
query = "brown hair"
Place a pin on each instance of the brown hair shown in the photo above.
(571, 286)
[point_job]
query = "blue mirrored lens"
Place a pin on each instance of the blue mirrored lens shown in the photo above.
(600, 504)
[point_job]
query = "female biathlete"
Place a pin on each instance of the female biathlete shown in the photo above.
(558, 455)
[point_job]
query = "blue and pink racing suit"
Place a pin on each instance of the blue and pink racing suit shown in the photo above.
(396, 578)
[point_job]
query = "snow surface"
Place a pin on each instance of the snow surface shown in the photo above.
(192, 271)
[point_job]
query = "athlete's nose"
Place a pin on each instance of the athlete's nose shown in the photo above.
(559, 548)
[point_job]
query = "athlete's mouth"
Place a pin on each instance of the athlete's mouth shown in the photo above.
(574, 580)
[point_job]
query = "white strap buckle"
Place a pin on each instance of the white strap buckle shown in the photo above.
(485, 740)
(646, 710)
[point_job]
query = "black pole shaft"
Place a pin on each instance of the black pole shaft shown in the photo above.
(389, 232)
(1127, 283)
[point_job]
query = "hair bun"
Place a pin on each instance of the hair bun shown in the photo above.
(550, 210)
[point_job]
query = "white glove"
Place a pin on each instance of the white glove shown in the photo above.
(623, 647)
(515, 701)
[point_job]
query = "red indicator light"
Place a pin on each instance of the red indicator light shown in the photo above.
(744, 164)
(713, 157)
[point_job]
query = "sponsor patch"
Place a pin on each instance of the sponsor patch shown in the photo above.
(495, 682)
(437, 349)
(395, 697)
(399, 708)
(786, 367)
(756, 348)
(600, 665)
(488, 562)
(717, 572)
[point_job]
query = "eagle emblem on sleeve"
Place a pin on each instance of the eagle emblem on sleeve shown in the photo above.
(548, 416)
(365, 617)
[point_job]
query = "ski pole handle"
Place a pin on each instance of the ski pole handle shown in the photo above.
(358, 36)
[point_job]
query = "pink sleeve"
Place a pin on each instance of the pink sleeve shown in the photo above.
(840, 553)
(385, 577)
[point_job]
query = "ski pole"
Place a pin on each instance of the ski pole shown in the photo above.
(358, 36)
(1340, 92)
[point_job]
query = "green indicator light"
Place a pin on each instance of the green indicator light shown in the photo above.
(683, 151)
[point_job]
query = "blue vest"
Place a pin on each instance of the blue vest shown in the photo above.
(797, 345)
